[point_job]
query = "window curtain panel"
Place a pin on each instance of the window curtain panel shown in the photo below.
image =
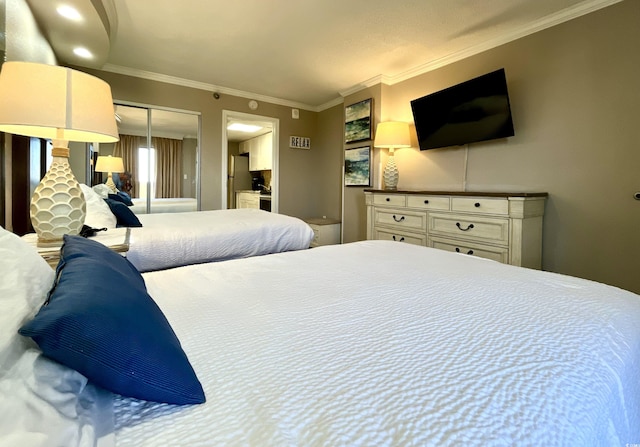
(168, 167)
(127, 148)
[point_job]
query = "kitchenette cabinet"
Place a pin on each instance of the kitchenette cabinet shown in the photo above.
(248, 199)
(260, 152)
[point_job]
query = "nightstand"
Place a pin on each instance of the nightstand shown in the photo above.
(117, 239)
(325, 231)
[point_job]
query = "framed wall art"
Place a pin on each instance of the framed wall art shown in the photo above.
(358, 122)
(357, 166)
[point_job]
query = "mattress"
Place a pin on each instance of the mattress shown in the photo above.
(380, 343)
(176, 239)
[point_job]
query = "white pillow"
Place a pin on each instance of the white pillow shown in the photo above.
(26, 280)
(102, 190)
(98, 213)
(42, 402)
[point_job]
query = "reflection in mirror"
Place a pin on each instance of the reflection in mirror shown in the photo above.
(159, 149)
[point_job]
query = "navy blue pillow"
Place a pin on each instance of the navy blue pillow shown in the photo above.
(124, 216)
(126, 198)
(119, 198)
(100, 321)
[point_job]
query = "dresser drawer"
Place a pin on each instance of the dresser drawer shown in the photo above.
(428, 202)
(500, 254)
(480, 205)
(464, 226)
(391, 235)
(400, 219)
(390, 199)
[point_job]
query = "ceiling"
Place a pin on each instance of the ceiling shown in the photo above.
(304, 53)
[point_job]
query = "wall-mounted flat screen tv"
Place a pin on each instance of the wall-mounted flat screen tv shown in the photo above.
(475, 110)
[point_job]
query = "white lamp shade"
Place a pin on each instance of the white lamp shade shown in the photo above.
(61, 104)
(47, 101)
(107, 163)
(392, 134)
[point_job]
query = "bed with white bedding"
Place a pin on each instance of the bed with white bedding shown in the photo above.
(175, 239)
(165, 205)
(370, 343)
(167, 240)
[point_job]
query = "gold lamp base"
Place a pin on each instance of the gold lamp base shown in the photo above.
(57, 206)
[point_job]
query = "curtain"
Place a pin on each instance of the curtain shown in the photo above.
(127, 148)
(168, 167)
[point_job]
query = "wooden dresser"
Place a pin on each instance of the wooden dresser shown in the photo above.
(505, 227)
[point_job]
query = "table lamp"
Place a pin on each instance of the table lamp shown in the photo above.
(392, 135)
(61, 104)
(109, 164)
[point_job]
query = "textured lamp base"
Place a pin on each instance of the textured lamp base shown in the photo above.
(57, 206)
(111, 184)
(391, 174)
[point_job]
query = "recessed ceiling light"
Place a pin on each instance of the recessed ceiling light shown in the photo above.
(82, 52)
(243, 127)
(69, 12)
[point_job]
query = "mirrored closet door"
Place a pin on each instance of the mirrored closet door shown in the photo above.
(160, 151)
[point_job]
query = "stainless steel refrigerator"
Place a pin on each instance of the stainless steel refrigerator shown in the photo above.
(239, 177)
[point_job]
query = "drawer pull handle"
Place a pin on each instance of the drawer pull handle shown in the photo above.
(388, 199)
(398, 220)
(398, 240)
(477, 204)
(426, 202)
(464, 229)
(470, 252)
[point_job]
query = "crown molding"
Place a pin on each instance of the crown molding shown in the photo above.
(204, 86)
(531, 28)
(328, 105)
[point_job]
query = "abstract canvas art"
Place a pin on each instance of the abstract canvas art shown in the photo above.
(357, 166)
(358, 121)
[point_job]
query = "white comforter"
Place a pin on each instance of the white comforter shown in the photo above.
(379, 343)
(169, 205)
(176, 239)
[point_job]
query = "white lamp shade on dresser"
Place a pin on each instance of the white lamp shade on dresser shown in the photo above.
(392, 135)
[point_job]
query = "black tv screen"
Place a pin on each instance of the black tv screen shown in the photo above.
(475, 110)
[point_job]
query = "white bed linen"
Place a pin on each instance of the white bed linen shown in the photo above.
(42, 403)
(45, 404)
(175, 239)
(380, 343)
(168, 205)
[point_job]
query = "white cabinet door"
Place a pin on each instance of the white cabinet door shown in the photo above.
(254, 155)
(260, 153)
(247, 200)
(266, 152)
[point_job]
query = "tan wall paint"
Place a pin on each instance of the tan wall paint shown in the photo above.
(296, 167)
(576, 107)
(327, 160)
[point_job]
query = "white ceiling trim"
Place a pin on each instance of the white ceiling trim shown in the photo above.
(204, 86)
(539, 25)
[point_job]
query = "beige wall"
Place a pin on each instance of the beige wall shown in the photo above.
(576, 109)
(296, 167)
(327, 158)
